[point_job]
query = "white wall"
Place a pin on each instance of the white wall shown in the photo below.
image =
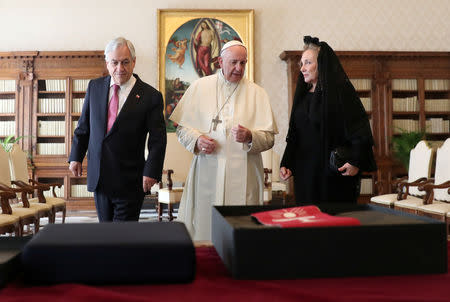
(413, 25)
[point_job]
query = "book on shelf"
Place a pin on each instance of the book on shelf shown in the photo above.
(408, 125)
(362, 84)
(74, 126)
(80, 191)
(7, 105)
(436, 105)
(55, 85)
(437, 84)
(7, 85)
(51, 148)
(80, 85)
(366, 186)
(437, 125)
(51, 128)
(51, 105)
(77, 105)
(404, 84)
(7, 128)
(408, 104)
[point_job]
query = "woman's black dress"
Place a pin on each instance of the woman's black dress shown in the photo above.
(331, 117)
(306, 159)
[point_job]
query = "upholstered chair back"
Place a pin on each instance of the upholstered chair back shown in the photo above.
(5, 177)
(18, 162)
(420, 162)
(442, 172)
(177, 158)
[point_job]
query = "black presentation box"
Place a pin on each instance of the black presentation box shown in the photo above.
(10, 249)
(388, 242)
(110, 253)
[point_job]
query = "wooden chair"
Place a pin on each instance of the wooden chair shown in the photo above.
(176, 156)
(168, 195)
(267, 186)
(278, 187)
(437, 200)
(420, 162)
(8, 222)
(20, 177)
(27, 214)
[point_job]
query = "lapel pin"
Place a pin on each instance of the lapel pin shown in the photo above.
(138, 96)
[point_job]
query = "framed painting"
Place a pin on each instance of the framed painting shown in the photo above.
(189, 43)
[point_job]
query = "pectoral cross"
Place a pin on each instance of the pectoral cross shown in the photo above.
(216, 121)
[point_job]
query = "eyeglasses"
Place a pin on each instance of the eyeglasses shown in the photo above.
(125, 63)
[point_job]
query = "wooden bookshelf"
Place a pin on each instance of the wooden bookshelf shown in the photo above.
(416, 84)
(46, 85)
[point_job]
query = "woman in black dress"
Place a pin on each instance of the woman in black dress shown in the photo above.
(326, 114)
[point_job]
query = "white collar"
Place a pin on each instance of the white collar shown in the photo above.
(125, 86)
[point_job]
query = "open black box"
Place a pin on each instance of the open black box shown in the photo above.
(388, 242)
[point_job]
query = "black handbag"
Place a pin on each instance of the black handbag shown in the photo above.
(338, 157)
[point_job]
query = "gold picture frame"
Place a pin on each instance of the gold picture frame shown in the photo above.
(189, 43)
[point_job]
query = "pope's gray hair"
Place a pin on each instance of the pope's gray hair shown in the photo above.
(116, 43)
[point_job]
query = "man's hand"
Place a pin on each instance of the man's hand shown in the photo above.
(76, 168)
(241, 134)
(147, 183)
(205, 144)
(285, 173)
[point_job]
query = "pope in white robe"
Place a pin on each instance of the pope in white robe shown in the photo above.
(226, 121)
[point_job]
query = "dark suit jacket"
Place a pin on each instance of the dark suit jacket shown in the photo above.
(116, 159)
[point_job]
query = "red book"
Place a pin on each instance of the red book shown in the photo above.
(307, 216)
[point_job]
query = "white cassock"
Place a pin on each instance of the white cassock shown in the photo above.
(233, 174)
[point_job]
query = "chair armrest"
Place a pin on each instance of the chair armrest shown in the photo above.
(428, 188)
(406, 185)
(169, 173)
(43, 186)
(27, 189)
(15, 190)
(23, 190)
(397, 182)
(267, 171)
(22, 184)
(5, 196)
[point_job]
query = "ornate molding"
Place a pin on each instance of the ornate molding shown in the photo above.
(28, 69)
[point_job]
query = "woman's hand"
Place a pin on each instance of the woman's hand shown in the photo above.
(348, 170)
(285, 173)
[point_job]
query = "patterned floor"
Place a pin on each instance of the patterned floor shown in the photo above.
(148, 214)
(91, 216)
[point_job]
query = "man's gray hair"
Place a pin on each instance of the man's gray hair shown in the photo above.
(116, 43)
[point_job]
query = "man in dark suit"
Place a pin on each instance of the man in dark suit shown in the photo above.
(119, 111)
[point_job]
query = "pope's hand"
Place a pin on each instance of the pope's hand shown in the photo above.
(285, 173)
(205, 144)
(241, 134)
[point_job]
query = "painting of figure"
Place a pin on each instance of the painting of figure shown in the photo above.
(179, 49)
(191, 53)
(205, 47)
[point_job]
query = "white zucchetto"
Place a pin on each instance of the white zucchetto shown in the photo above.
(231, 43)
